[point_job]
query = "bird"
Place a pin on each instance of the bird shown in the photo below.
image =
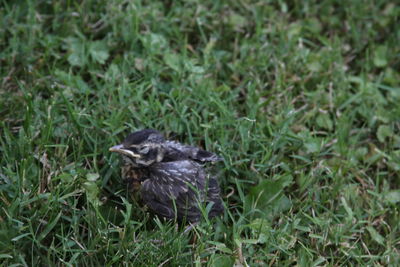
(169, 177)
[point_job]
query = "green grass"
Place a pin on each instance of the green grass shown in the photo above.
(301, 99)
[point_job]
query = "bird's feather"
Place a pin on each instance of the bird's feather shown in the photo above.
(179, 184)
(178, 151)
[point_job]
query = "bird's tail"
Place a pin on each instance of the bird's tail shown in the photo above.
(213, 195)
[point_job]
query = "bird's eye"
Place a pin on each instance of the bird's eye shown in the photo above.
(144, 150)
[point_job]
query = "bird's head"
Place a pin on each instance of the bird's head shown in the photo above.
(141, 148)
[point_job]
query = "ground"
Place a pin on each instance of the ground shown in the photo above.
(300, 98)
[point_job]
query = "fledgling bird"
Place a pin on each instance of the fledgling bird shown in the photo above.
(169, 175)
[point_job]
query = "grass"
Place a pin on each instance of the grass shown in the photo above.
(300, 98)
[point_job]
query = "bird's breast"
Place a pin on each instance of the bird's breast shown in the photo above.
(134, 177)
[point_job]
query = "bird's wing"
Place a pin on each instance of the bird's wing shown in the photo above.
(176, 185)
(177, 151)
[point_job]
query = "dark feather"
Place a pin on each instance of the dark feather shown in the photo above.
(177, 151)
(139, 137)
(178, 183)
(213, 195)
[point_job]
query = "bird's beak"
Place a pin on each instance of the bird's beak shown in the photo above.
(120, 149)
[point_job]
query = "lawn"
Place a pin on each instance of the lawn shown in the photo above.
(300, 98)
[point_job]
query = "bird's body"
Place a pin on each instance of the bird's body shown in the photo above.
(169, 176)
